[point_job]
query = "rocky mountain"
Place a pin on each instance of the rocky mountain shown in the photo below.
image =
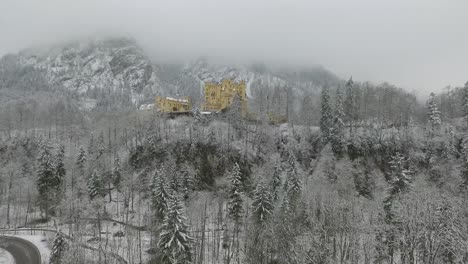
(118, 73)
(82, 67)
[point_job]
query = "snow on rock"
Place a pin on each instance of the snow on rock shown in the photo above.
(111, 64)
(299, 81)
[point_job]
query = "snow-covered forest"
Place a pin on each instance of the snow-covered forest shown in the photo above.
(360, 173)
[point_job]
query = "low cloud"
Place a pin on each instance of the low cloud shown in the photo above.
(418, 45)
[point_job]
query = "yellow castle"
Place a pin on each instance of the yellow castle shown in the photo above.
(219, 96)
(171, 105)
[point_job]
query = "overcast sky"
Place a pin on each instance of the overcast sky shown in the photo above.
(420, 45)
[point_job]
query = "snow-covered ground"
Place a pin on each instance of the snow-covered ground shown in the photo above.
(5, 257)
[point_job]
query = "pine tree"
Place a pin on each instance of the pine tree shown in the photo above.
(337, 141)
(350, 104)
(186, 180)
(81, 159)
(294, 182)
(94, 185)
(400, 181)
(465, 104)
(326, 119)
(117, 173)
(235, 208)
(262, 203)
(80, 162)
(174, 239)
(91, 146)
(60, 169)
(434, 113)
(464, 171)
(101, 145)
(174, 180)
(46, 180)
(160, 195)
(59, 246)
(276, 181)
(285, 232)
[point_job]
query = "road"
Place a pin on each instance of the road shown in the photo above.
(22, 250)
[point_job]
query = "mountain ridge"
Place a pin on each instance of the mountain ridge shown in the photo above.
(118, 73)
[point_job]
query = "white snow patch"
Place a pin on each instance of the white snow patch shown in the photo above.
(6, 257)
(146, 107)
(177, 100)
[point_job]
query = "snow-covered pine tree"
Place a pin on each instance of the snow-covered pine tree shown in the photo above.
(276, 181)
(295, 184)
(186, 180)
(350, 104)
(401, 175)
(235, 203)
(159, 194)
(94, 185)
(81, 159)
(434, 113)
(174, 240)
(262, 204)
(464, 171)
(117, 173)
(59, 246)
(465, 104)
(91, 146)
(80, 162)
(174, 179)
(60, 170)
(285, 232)
(101, 148)
(337, 141)
(400, 181)
(46, 181)
(326, 119)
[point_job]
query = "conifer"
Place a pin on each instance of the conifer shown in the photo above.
(235, 207)
(174, 240)
(262, 203)
(326, 119)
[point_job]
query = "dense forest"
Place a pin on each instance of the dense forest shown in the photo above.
(361, 173)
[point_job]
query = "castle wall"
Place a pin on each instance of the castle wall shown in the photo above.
(170, 105)
(219, 96)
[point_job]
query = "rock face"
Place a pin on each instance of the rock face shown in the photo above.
(117, 72)
(111, 65)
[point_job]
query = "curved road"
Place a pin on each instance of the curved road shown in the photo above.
(22, 250)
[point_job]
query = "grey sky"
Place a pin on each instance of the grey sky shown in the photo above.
(420, 45)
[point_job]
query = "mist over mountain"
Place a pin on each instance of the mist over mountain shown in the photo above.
(119, 67)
